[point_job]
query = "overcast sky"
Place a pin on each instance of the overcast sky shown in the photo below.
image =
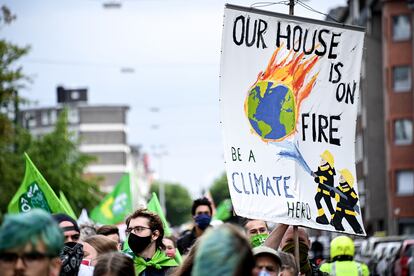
(173, 47)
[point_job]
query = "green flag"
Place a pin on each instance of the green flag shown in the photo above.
(34, 192)
(67, 206)
(224, 210)
(115, 206)
(154, 206)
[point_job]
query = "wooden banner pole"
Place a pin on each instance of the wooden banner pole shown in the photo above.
(296, 238)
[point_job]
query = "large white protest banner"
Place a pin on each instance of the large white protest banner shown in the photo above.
(289, 92)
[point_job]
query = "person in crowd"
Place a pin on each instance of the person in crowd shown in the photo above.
(283, 237)
(96, 245)
(145, 233)
(288, 264)
(72, 253)
(114, 264)
(30, 244)
(201, 212)
(170, 247)
(69, 227)
(342, 259)
(111, 231)
(224, 250)
(267, 261)
(317, 251)
(256, 231)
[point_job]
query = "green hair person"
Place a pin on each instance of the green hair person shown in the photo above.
(30, 242)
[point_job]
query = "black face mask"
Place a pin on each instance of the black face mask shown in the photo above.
(71, 257)
(137, 243)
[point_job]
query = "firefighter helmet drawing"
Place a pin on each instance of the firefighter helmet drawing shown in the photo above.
(346, 205)
(324, 176)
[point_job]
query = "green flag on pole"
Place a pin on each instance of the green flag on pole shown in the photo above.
(34, 192)
(155, 206)
(115, 206)
(67, 206)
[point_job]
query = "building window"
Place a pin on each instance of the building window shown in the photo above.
(403, 132)
(73, 116)
(405, 183)
(30, 119)
(401, 28)
(401, 78)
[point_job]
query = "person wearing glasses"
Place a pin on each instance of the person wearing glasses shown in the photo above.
(30, 244)
(145, 233)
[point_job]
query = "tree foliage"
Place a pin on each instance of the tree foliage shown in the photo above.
(55, 154)
(13, 139)
(177, 202)
(220, 189)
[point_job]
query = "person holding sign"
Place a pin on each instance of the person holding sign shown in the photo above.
(345, 207)
(324, 176)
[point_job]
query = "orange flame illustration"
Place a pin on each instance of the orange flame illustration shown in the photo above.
(291, 71)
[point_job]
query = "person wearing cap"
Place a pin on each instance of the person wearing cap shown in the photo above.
(72, 253)
(30, 244)
(345, 206)
(324, 176)
(342, 259)
(267, 261)
(69, 227)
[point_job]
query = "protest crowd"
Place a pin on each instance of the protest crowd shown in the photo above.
(40, 243)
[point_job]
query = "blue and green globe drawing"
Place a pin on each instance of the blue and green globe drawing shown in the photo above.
(270, 108)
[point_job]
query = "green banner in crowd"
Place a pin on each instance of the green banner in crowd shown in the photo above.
(224, 210)
(155, 206)
(67, 206)
(34, 192)
(115, 206)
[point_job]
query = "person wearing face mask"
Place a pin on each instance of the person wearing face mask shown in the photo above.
(72, 253)
(256, 231)
(282, 237)
(201, 212)
(145, 233)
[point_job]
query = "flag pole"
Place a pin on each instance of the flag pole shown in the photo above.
(295, 227)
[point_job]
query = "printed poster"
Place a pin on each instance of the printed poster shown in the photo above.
(289, 90)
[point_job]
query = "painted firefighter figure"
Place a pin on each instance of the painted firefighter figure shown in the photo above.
(346, 206)
(324, 176)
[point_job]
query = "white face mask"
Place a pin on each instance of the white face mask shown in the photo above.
(86, 270)
(262, 272)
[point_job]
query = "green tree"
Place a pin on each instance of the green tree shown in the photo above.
(177, 202)
(13, 139)
(220, 189)
(57, 157)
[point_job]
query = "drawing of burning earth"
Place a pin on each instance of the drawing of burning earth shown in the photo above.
(273, 102)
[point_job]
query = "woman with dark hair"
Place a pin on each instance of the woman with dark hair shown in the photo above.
(114, 264)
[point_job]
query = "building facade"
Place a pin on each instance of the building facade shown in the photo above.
(102, 132)
(384, 143)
